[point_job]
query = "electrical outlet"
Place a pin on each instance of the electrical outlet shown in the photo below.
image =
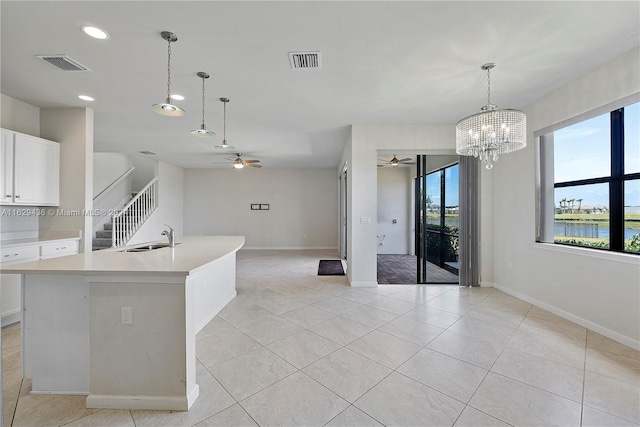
(126, 315)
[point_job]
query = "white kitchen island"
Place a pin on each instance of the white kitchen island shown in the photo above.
(76, 336)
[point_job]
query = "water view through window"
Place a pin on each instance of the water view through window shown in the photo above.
(596, 165)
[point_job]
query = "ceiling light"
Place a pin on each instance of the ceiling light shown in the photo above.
(86, 98)
(492, 132)
(166, 108)
(95, 32)
(237, 163)
(177, 97)
(202, 132)
(224, 132)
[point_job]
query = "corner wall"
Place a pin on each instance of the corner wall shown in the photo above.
(598, 293)
(73, 129)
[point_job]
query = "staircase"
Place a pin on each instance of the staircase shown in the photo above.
(128, 221)
(103, 237)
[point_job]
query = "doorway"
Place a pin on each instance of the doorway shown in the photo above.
(403, 240)
(343, 212)
(437, 219)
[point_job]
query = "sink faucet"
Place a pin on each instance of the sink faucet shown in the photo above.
(170, 235)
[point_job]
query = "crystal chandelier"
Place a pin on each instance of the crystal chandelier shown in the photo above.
(492, 132)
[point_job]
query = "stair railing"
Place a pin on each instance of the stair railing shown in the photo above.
(134, 214)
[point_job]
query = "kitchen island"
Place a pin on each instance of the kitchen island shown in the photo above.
(119, 326)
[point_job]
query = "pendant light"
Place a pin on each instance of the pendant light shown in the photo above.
(224, 130)
(492, 132)
(166, 108)
(202, 132)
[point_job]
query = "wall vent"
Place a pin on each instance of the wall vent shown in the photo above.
(304, 60)
(63, 62)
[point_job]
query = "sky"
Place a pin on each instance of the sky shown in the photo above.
(582, 151)
(451, 186)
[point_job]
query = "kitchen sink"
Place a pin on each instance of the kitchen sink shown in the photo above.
(146, 248)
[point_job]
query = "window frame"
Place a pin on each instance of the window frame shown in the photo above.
(545, 185)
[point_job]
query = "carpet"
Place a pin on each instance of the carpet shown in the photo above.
(330, 267)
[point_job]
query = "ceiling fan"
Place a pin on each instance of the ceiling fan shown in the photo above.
(239, 163)
(395, 162)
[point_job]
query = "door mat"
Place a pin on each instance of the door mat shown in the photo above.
(330, 267)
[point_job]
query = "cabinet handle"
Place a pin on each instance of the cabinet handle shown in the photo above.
(7, 256)
(8, 195)
(18, 196)
(64, 247)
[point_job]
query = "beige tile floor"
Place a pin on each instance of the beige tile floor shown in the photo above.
(296, 349)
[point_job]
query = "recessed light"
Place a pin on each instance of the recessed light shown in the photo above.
(95, 32)
(86, 98)
(177, 97)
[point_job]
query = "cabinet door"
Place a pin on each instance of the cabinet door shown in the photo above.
(36, 171)
(6, 167)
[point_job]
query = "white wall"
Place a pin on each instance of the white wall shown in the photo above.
(170, 205)
(602, 294)
(394, 202)
(303, 206)
(144, 172)
(19, 116)
(73, 129)
(108, 167)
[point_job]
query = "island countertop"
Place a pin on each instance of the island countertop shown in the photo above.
(189, 255)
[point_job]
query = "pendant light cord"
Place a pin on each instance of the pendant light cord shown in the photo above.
(203, 99)
(169, 71)
(224, 123)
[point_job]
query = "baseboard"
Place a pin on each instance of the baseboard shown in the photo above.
(363, 284)
(293, 248)
(486, 285)
(573, 318)
(157, 403)
(11, 317)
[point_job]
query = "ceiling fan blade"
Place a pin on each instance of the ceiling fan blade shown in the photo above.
(406, 159)
(380, 166)
(408, 163)
(231, 160)
(253, 165)
(250, 161)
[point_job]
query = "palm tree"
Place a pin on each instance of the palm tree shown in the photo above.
(563, 204)
(571, 202)
(579, 204)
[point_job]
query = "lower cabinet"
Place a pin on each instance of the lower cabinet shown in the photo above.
(10, 285)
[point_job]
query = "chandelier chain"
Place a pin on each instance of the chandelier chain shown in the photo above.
(169, 71)
(489, 87)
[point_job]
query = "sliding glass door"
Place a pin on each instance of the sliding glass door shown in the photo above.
(437, 222)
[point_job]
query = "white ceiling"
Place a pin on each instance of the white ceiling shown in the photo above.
(382, 62)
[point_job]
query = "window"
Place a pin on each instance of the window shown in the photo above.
(590, 180)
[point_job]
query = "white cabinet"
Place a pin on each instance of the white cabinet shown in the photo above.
(30, 170)
(10, 284)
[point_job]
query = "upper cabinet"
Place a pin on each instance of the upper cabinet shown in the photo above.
(30, 170)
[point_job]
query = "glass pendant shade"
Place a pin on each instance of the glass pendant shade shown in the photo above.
(237, 164)
(491, 133)
(203, 132)
(166, 108)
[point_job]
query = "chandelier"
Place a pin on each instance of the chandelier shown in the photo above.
(492, 132)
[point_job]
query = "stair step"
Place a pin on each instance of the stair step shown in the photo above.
(108, 226)
(105, 234)
(101, 243)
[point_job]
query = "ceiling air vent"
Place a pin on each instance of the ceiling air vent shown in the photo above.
(148, 153)
(304, 60)
(63, 62)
